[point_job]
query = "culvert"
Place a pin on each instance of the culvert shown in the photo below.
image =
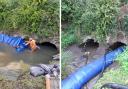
(114, 46)
(89, 44)
(48, 44)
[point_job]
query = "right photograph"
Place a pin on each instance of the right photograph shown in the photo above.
(94, 38)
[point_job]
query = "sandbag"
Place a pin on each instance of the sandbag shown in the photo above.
(36, 71)
(42, 69)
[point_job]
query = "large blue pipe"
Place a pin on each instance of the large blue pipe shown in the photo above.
(83, 75)
(16, 42)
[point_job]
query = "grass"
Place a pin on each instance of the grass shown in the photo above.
(113, 76)
(66, 58)
(68, 39)
(25, 82)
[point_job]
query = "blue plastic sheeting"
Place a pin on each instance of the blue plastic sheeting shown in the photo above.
(85, 74)
(16, 42)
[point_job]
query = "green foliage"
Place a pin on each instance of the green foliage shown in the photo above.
(100, 17)
(68, 39)
(113, 76)
(124, 1)
(123, 60)
(39, 17)
(92, 17)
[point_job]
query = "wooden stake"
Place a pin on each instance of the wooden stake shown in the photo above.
(47, 78)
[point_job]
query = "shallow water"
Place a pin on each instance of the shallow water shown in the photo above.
(9, 55)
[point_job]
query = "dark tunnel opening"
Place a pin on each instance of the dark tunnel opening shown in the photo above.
(115, 45)
(47, 44)
(89, 44)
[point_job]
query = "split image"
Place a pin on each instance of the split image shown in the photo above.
(63, 44)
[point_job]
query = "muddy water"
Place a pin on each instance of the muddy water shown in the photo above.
(9, 55)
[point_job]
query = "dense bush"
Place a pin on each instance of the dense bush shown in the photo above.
(68, 39)
(30, 16)
(91, 17)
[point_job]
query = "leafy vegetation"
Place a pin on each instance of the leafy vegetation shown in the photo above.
(113, 76)
(68, 39)
(124, 1)
(90, 17)
(123, 60)
(40, 17)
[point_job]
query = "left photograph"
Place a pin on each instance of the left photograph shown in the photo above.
(29, 44)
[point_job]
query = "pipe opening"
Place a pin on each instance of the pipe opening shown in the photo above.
(47, 44)
(114, 46)
(89, 44)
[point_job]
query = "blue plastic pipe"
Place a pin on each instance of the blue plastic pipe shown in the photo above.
(17, 42)
(83, 75)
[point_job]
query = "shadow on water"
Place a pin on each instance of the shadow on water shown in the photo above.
(8, 55)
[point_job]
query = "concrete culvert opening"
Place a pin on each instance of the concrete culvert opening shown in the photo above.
(115, 45)
(89, 44)
(47, 44)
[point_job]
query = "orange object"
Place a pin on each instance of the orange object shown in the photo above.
(32, 44)
(47, 78)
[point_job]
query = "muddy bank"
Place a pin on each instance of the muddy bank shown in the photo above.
(24, 82)
(17, 76)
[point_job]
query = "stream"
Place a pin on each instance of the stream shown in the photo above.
(12, 62)
(9, 55)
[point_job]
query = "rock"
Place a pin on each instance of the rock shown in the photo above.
(56, 57)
